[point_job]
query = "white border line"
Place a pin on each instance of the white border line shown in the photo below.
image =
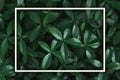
(59, 71)
(104, 45)
(15, 40)
(59, 9)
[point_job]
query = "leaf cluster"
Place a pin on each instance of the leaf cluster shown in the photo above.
(32, 25)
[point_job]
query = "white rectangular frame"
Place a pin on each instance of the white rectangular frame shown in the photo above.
(103, 9)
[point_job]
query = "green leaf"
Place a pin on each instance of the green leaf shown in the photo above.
(90, 3)
(116, 38)
(65, 23)
(114, 3)
(102, 76)
(46, 62)
(79, 76)
(70, 14)
(91, 40)
(35, 33)
(113, 66)
(2, 3)
(82, 17)
(98, 15)
(19, 29)
(20, 2)
(74, 42)
(89, 54)
(96, 63)
(86, 36)
(38, 54)
(64, 52)
(54, 45)
(94, 23)
(25, 35)
(3, 48)
(66, 3)
(82, 27)
(7, 70)
(50, 17)
(67, 33)
(75, 30)
(44, 46)
(22, 15)
(35, 63)
(56, 33)
(58, 55)
(94, 45)
(114, 57)
(109, 53)
(93, 37)
(113, 19)
(35, 17)
(111, 31)
(24, 59)
(10, 28)
(22, 47)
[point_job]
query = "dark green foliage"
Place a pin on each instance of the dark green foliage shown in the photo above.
(59, 40)
(44, 38)
(35, 33)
